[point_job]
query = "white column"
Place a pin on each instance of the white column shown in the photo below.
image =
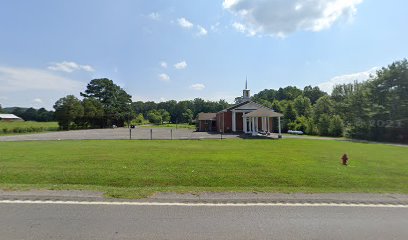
(279, 126)
(253, 125)
(264, 127)
(234, 121)
(269, 125)
(244, 124)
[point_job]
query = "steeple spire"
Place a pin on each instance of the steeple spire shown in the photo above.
(246, 93)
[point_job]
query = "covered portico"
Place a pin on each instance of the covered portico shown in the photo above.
(260, 120)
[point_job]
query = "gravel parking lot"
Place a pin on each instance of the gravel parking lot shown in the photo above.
(118, 133)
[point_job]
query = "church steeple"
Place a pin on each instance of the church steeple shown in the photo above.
(246, 93)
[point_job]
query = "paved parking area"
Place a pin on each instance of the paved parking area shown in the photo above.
(118, 133)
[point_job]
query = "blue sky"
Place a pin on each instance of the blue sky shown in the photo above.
(163, 50)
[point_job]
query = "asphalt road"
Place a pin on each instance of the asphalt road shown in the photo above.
(66, 221)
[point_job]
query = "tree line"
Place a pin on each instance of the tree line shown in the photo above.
(176, 112)
(105, 104)
(376, 109)
(31, 114)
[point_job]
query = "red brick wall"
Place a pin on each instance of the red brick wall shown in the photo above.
(219, 122)
(224, 122)
(239, 122)
(228, 121)
(259, 123)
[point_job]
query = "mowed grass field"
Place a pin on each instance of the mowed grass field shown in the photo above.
(132, 169)
(12, 128)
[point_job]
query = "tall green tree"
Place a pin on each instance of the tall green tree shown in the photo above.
(164, 115)
(116, 102)
(67, 110)
(93, 113)
(313, 93)
(302, 106)
(324, 105)
(290, 112)
(323, 124)
(188, 116)
(290, 116)
(336, 127)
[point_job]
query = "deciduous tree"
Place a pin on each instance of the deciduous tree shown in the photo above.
(67, 110)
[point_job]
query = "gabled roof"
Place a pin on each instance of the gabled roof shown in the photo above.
(8, 116)
(247, 105)
(263, 113)
(207, 116)
(237, 105)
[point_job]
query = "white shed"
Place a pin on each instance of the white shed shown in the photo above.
(9, 118)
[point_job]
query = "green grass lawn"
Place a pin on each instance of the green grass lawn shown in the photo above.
(171, 125)
(139, 168)
(13, 128)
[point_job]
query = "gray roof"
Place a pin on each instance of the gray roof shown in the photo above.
(206, 116)
(238, 105)
(8, 116)
(262, 112)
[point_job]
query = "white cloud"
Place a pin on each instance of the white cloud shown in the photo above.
(239, 27)
(215, 27)
(184, 23)
(243, 29)
(197, 86)
(38, 100)
(154, 16)
(280, 18)
(14, 79)
(163, 64)
(164, 77)
(347, 78)
(201, 31)
(181, 65)
(69, 67)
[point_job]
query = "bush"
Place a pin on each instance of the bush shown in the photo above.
(139, 120)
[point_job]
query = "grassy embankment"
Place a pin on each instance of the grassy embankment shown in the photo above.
(13, 128)
(139, 168)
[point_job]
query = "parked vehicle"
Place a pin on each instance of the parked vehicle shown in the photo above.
(295, 132)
